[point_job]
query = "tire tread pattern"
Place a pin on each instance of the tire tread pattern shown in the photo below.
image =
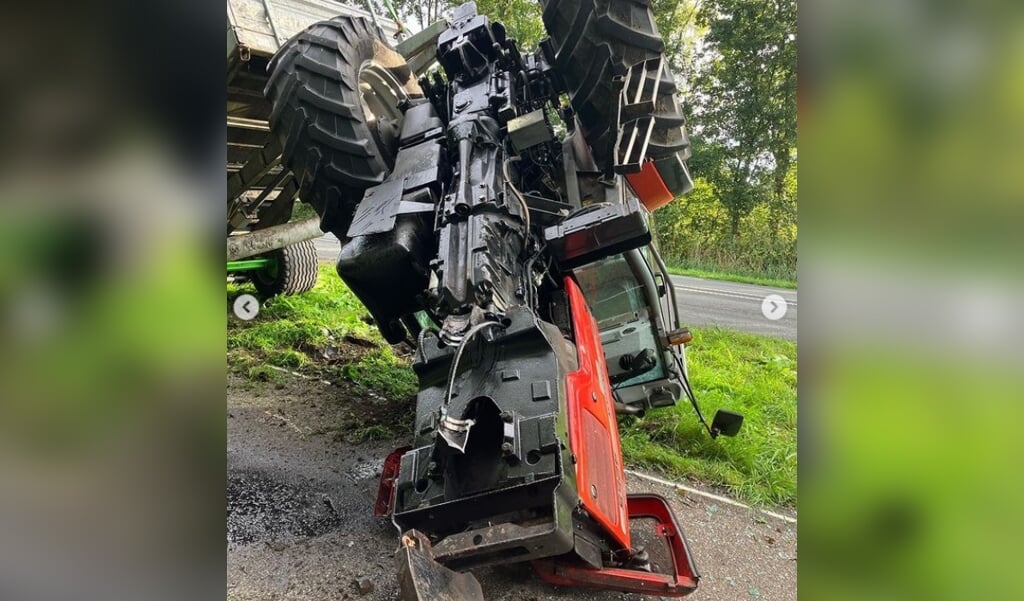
(297, 271)
(594, 41)
(317, 114)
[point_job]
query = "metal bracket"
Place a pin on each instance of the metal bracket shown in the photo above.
(420, 50)
(421, 578)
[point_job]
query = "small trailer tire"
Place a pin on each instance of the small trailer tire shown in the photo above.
(293, 270)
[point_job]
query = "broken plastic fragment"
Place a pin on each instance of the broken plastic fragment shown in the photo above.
(455, 432)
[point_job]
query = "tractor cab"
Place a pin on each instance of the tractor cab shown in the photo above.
(636, 312)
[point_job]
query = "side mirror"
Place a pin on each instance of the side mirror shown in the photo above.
(726, 423)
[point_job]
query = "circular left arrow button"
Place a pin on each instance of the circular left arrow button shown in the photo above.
(246, 307)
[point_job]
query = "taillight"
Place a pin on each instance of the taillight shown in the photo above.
(386, 490)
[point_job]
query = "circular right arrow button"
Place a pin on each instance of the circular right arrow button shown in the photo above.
(774, 307)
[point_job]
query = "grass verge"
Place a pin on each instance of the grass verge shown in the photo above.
(727, 271)
(325, 332)
(728, 276)
(754, 375)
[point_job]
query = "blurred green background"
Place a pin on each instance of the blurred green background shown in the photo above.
(912, 192)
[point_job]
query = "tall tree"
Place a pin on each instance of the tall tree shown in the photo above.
(521, 18)
(416, 14)
(745, 100)
(678, 27)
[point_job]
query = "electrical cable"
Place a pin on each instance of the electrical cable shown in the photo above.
(458, 357)
(689, 394)
(516, 192)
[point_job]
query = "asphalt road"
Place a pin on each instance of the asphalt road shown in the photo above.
(733, 306)
(702, 302)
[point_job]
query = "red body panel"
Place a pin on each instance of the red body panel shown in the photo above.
(680, 579)
(593, 429)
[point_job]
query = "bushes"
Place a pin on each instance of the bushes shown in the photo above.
(695, 232)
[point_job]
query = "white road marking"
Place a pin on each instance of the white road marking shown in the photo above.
(701, 493)
(721, 293)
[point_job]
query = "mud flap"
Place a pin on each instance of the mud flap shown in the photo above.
(421, 578)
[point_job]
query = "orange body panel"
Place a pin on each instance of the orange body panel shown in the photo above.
(593, 429)
(649, 187)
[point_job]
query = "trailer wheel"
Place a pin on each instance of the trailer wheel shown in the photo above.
(335, 89)
(293, 270)
(595, 40)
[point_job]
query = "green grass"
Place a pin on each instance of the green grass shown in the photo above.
(265, 373)
(712, 273)
(733, 277)
(311, 332)
(754, 375)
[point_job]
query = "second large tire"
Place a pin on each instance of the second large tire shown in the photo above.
(321, 119)
(596, 40)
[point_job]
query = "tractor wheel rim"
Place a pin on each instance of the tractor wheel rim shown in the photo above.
(380, 95)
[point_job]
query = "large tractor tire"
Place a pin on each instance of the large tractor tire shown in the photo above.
(293, 270)
(335, 89)
(596, 40)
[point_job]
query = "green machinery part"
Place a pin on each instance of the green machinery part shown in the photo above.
(252, 264)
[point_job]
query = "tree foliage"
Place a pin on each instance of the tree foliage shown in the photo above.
(745, 100)
(680, 31)
(416, 14)
(521, 18)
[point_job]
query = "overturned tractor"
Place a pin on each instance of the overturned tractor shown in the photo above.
(494, 214)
